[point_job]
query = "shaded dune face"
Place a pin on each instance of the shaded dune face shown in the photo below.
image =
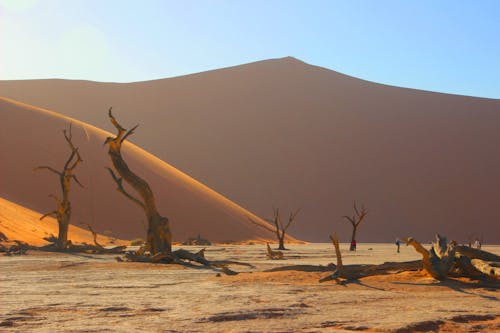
(32, 137)
(286, 133)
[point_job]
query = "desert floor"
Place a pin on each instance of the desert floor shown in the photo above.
(45, 292)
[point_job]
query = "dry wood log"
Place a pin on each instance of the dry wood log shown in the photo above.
(354, 272)
(273, 255)
(491, 268)
(472, 253)
(445, 259)
(183, 257)
(19, 248)
(440, 259)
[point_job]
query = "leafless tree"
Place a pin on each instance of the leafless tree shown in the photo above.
(159, 237)
(356, 220)
(63, 208)
(280, 228)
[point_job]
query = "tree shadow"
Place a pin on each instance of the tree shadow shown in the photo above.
(460, 286)
(359, 283)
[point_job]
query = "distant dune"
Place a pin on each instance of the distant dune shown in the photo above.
(20, 223)
(287, 133)
(32, 136)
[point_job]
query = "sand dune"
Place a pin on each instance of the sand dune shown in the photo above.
(286, 133)
(32, 136)
(20, 223)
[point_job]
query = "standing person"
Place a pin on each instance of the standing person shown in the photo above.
(353, 245)
(398, 243)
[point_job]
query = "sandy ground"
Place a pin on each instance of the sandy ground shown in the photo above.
(45, 292)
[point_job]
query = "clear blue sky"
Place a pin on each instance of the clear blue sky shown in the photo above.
(446, 46)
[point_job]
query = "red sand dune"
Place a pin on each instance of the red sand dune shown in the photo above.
(287, 133)
(32, 137)
(20, 223)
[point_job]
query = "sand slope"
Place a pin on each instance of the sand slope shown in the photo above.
(32, 136)
(20, 223)
(286, 133)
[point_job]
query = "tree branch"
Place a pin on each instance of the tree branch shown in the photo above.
(44, 167)
(53, 214)
(268, 228)
(77, 181)
(130, 132)
(122, 190)
(292, 218)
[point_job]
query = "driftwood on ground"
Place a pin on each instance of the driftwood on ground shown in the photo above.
(273, 255)
(81, 248)
(447, 259)
(19, 248)
(184, 257)
(354, 272)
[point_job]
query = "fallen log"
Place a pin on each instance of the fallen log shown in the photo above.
(273, 255)
(472, 253)
(447, 259)
(183, 257)
(440, 259)
(491, 268)
(355, 272)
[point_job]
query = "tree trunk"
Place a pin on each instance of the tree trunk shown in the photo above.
(353, 238)
(281, 243)
(62, 238)
(159, 238)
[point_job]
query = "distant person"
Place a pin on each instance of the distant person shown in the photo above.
(477, 245)
(353, 245)
(398, 243)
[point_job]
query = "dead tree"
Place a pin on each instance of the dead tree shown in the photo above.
(355, 220)
(97, 247)
(63, 210)
(159, 237)
(280, 228)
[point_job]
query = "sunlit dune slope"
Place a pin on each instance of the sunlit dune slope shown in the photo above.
(32, 137)
(20, 223)
(282, 132)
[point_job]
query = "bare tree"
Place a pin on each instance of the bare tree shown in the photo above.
(280, 228)
(159, 237)
(63, 209)
(356, 220)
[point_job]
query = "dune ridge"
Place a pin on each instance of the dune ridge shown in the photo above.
(33, 137)
(285, 133)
